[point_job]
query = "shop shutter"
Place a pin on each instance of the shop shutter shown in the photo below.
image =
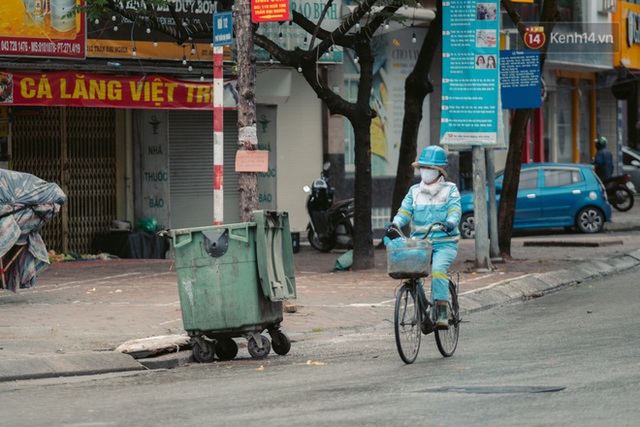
(191, 167)
(76, 148)
(231, 177)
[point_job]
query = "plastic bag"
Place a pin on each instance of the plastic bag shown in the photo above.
(147, 224)
(345, 261)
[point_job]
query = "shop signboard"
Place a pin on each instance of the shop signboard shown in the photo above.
(72, 89)
(627, 43)
(290, 36)
(42, 28)
(122, 38)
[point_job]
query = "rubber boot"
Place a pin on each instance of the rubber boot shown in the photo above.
(442, 317)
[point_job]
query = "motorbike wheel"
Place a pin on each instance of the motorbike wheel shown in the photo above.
(318, 245)
(622, 198)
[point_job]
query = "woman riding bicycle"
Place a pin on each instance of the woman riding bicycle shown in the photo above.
(434, 200)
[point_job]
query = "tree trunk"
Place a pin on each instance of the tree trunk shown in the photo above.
(509, 193)
(416, 88)
(363, 255)
(247, 136)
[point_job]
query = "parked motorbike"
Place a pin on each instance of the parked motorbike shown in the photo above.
(620, 192)
(330, 223)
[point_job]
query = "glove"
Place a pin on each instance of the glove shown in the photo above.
(448, 227)
(392, 230)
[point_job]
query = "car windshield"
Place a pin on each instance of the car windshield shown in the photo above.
(633, 151)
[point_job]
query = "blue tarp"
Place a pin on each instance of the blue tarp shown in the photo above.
(26, 204)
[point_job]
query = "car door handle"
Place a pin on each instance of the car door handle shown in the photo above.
(575, 191)
(531, 196)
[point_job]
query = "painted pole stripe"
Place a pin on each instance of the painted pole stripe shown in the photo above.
(218, 136)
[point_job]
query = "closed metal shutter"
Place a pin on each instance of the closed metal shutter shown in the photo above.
(75, 148)
(231, 177)
(191, 167)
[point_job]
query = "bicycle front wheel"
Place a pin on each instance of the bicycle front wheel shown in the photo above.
(407, 323)
(447, 339)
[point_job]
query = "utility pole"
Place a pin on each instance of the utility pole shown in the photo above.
(494, 247)
(482, 261)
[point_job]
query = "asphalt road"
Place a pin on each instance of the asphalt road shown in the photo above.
(568, 358)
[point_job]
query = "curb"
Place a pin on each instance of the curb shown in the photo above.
(522, 288)
(537, 285)
(66, 365)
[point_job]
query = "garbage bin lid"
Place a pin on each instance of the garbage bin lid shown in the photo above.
(274, 253)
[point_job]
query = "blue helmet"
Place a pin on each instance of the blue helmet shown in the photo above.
(433, 155)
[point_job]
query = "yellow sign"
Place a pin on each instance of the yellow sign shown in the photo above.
(627, 42)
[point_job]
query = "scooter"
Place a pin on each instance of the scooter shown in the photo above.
(330, 224)
(620, 192)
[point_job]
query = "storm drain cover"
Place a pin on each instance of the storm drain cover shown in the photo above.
(495, 389)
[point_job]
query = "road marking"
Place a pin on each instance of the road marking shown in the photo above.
(495, 284)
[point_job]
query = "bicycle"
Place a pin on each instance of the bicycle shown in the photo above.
(410, 260)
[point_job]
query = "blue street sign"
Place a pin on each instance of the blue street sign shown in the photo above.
(222, 29)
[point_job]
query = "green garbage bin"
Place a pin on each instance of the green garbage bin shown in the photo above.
(232, 280)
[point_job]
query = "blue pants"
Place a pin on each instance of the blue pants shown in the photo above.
(444, 253)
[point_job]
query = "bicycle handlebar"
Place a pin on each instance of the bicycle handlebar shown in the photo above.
(438, 225)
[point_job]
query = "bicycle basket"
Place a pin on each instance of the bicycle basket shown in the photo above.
(408, 258)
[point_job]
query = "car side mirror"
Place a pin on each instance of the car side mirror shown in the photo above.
(635, 163)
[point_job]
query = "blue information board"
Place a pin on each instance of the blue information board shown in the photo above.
(470, 72)
(520, 79)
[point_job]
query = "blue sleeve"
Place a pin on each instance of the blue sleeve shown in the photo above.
(454, 209)
(405, 212)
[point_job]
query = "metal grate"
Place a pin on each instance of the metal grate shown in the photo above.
(76, 148)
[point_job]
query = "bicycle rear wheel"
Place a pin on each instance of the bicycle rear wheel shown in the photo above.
(447, 340)
(407, 323)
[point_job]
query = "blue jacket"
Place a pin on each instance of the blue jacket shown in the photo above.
(604, 163)
(423, 208)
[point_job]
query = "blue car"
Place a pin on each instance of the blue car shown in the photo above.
(551, 195)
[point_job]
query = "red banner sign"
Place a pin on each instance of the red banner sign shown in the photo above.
(95, 90)
(270, 10)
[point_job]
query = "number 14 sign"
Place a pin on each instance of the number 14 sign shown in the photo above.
(534, 37)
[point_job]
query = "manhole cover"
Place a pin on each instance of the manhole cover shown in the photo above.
(495, 389)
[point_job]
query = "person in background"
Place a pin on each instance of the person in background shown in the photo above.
(434, 200)
(603, 160)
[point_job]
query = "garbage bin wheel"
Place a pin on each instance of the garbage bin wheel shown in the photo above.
(280, 342)
(226, 348)
(255, 351)
(203, 351)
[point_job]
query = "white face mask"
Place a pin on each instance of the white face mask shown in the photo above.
(429, 175)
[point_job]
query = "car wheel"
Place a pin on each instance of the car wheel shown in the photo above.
(590, 220)
(467, 226)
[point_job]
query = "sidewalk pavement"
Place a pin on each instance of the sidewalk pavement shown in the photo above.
(80, 312)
